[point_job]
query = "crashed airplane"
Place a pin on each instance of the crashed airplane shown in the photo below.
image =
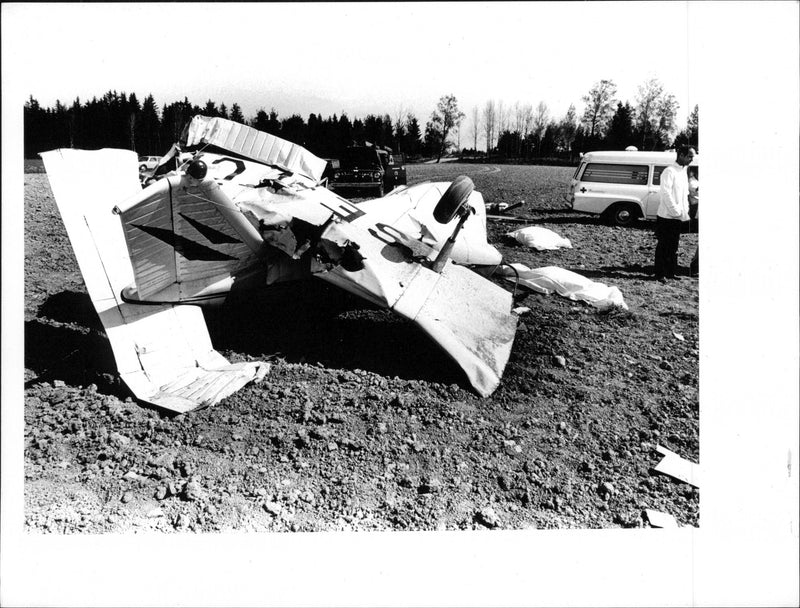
(232, 208)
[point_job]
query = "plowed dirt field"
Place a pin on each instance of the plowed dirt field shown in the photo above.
(362, 423)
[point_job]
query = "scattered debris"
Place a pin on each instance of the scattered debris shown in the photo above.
(273, 508)
(487, 517)
(499, 212)
(508, 218)
(679, 336)
(521, 310)
(658, 519)
(502, 207)
(675, 466)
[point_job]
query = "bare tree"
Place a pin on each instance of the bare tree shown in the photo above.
(445, 118)
(475, 126)
(567, 129)
(519, 125)
(665, 112)
(517, 113)
(599, 106)
(502, 118)
(540, 120)
(489, 121)
(648, 100)
(527, 116)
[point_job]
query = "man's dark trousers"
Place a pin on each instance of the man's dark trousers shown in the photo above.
(668, 234)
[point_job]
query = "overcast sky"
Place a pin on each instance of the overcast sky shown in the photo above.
(358, 58)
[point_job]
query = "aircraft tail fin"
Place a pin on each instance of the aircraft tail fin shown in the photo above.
(163, 352)
(186, 239)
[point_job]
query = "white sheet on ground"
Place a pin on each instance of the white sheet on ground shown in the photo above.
(566, 283)
(163, 352)
(540, 238)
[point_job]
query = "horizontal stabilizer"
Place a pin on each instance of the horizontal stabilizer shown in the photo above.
(163, 352)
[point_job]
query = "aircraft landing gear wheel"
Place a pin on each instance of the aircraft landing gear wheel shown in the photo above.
(454, 198)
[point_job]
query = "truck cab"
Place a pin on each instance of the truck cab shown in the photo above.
(371, 168)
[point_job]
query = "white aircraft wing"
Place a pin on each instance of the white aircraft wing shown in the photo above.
(411, 210)
(163, 352)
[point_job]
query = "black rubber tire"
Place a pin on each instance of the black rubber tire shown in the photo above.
(454, 198)
(142, 168)
(623, 214)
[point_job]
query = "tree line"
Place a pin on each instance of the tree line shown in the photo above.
(119, 120)
(607, 123)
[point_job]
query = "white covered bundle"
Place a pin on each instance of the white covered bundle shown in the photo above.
(566, 283)
(540, 238)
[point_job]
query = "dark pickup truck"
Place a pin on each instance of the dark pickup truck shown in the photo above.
(369, 168)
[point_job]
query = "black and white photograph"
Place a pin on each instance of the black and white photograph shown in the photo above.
(400, 303)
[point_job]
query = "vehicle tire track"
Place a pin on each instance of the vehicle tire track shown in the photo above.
(448, 177)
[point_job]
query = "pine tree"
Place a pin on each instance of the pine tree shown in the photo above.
(236, 114)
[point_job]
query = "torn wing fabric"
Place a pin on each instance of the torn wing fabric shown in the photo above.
(540, 238)
(673, 465)
(566, 283)
(163, 352)
(253, 144)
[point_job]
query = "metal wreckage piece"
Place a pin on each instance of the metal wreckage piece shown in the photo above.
(236, 208)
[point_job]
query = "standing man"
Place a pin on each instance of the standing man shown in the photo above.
(673, 212)
(694, 199)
